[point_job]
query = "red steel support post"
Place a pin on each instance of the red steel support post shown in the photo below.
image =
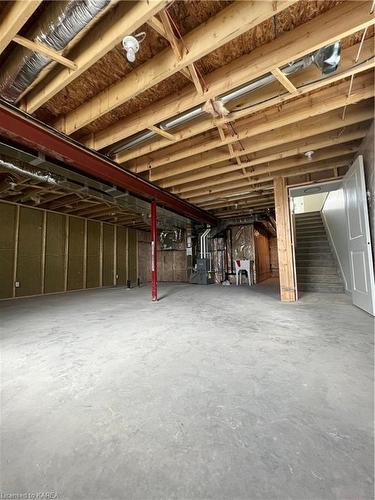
(154, 253)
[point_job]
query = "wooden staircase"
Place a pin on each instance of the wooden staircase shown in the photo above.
(316, 266)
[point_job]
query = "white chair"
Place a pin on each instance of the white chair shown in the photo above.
(242, 265)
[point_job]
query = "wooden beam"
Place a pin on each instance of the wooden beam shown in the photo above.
(126, 17)
(160, 28)
(172, 39)
(162, 132)
(284, 242)
(332, 98)
(222, 180)
(338, 22)
(15, 16)
(187, 182)
(297, 111)
(285, 82)
(157, 26)
(228, 24)
(262, 184)
(195, 79)
(43, 49)
(257, 183)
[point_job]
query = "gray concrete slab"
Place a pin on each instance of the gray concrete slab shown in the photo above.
(211, 393)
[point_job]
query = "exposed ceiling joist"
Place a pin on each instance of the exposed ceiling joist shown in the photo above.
(268, 153)
(125, 18)
(237, 187)
(43, 49)
(307, 107)
(232, 172)
(207, 123)
(337, 23)
(228, 24)
(15, 16)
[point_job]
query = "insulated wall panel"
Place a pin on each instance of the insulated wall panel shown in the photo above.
(121, 256)
(54, 276)
(93, 254)
(132, 255)
(108, 254)
(7, 245)
(29, 258)
(76, 253)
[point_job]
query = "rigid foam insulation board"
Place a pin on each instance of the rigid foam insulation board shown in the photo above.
(132, 255)
(93, 254)
(54, 277)
(121, 268)
(108, 254)
(29, 256)
(76, 253)
(7, 246)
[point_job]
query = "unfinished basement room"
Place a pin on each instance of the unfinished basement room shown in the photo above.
(187, 222)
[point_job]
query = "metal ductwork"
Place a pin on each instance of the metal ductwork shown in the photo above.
(326, 59)
(36, 176)
(56, 28)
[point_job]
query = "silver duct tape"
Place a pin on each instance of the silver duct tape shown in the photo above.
(57, 27)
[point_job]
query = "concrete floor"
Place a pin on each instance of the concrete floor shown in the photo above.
(212, 393)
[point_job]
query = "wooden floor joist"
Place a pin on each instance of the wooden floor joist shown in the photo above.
(14, 17)
(225, 26)
(304, 107)
(125, 18)
(339, 22)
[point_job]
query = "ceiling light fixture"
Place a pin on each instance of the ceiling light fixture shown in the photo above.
(309, 154)
(131, 45)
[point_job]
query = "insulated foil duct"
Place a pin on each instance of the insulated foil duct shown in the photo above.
(60, 23)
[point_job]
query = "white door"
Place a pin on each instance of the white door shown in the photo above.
(359, 241)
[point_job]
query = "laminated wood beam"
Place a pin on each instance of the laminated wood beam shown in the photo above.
(43, 49)
(339, 22)
(228, 24)
(124, 19)
(284, 242)
(14, 17)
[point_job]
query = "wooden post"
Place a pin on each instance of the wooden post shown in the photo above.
(284, 242)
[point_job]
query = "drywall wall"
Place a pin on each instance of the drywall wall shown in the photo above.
(367, 151)
(309, 203)
(335, 221)
(49, 252)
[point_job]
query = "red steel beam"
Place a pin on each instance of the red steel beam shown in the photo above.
(24, 129)
(154, 252)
